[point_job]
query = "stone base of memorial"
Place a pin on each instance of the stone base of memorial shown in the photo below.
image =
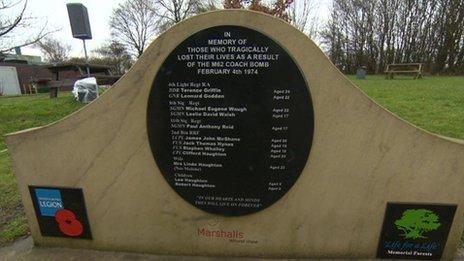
(234, 135)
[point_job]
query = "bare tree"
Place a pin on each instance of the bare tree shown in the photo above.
(135, 23)
(207, 5)
(13, 23)
(115, 55)
(374, 33)
(54, 50)
(174, 11)
(304, 16)
(449, 36)
(277, 8)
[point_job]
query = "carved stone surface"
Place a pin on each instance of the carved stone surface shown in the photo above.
(361, 157)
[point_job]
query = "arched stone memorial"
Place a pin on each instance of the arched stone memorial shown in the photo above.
(234, 135)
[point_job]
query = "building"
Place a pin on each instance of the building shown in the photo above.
(28, 68)
(31, 71)
(64, 75)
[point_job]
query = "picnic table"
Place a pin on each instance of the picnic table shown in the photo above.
(404, 68)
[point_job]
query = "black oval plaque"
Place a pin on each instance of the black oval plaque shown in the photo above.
(230, 120)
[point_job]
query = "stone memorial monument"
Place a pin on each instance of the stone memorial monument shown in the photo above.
(234, 135)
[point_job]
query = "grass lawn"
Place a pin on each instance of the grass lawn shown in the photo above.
(23, 112)
(12, 219)
(18, 113)
(433, 103)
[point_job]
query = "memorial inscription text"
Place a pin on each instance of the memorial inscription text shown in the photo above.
(230, 120)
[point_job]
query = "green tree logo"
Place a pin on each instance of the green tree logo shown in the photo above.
(415, 222)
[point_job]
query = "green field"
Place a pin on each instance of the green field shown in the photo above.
(12, 220)
(433, 103)
(18, 113)
(28, 111)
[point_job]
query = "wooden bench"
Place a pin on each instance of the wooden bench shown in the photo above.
(404, 68)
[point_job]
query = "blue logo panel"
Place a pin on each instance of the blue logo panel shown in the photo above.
(49, 201)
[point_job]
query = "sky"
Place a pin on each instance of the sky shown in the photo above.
(56, 15)
(54, 12)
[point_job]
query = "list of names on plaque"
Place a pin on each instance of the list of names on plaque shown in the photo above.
(230, 120)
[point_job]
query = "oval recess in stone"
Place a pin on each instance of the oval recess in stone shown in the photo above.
(230, 120)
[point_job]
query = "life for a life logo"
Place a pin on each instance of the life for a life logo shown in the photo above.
(415, 231)
(60, 212)
(415, 223)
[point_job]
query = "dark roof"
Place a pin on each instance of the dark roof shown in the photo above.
(70, 65)
(10, 60)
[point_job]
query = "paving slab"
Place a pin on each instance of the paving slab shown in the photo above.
(24, 249)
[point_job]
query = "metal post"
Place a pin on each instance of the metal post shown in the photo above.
(87, 64)
(86, 59)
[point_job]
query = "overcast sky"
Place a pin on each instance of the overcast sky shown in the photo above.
(55, 13)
